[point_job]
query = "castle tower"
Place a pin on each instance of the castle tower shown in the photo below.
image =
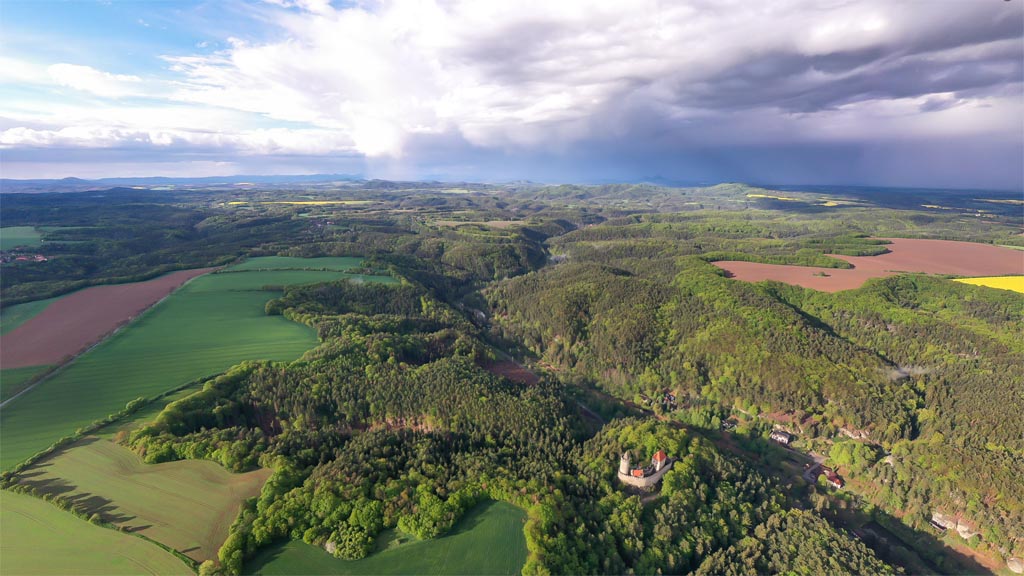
(624, 464)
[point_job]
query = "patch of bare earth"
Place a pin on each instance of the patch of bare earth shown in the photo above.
(513, 372)
(81, 319)
(905, 255)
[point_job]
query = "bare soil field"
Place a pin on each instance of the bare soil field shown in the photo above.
(905, 255)
(79, 320)
(512, 371)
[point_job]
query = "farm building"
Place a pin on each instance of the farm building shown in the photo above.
(782, 437)
(646, 477)
(833, 479)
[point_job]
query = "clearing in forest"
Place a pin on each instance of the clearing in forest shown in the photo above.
(487, 541)
(209, 325)
(905, 255)
(14, 236)
(39, 538)
(187, 505)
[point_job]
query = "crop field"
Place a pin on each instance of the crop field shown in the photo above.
(14, 380)
(13, 236)
(204, 328)
(905, 255)
(39, 538)
(1015, 283)
(13, 316)
(339, 263)
(187, 505)
(488, 541)
(74, 322)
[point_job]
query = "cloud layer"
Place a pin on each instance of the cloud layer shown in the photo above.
(395, 81)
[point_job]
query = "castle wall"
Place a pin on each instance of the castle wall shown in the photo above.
(646, 481)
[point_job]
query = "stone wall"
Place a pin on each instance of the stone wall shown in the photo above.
(646, 481)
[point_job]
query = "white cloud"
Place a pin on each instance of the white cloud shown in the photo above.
(544, 73)
(88, 79)
(376, 77)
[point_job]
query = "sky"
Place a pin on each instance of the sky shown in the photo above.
(918, 93)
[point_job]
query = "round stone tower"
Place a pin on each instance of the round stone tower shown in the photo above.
(624, 463)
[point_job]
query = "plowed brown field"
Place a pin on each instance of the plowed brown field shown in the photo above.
(83, 318)
(905, 255)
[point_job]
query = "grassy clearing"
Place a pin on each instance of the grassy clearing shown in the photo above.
(14, 236)
(13, 316)
(488, 541)
(14, 380)
(187, 505)
(500, 224)
(1015, 283)
(340, 263)
(204, 328)
(39, 538)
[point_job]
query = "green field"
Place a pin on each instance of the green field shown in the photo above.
(39, 538)
(187, 505)
(340, 263)
(15, 380)
(13, 316)
(488, 541)
(13, 236)
(210, 324)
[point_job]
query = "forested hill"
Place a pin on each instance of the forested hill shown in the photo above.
(391, 421)
(926, 369)
(624, 336)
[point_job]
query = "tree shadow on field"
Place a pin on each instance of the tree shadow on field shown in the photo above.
(471, 519)
(105, 507)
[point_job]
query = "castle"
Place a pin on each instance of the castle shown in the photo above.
(644, 477)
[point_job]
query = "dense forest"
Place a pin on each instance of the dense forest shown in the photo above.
(909, 386)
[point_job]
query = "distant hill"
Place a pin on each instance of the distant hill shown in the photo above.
(79, 184)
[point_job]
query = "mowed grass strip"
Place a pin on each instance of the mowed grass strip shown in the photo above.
(487, 541)
(204, 328)
(14, 236)
(1015, 283)
(188, 505)
(38, 538)
(14, 380)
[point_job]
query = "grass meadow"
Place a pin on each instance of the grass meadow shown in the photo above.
(487, 541)
(14, 380)
(1015, 283)
(13, 236)
(204, 328)
(188, 505)
(39, 538)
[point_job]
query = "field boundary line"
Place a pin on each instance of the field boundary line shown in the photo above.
(62, 366)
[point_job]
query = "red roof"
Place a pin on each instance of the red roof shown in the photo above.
(638, 472)
(660, 456)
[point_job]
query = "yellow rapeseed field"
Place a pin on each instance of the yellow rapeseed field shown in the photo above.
(1015, 283)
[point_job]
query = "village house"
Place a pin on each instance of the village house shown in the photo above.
(833, 479)
(782, 437)
(644, 477)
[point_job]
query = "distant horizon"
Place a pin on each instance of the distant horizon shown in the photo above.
(662, 182)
